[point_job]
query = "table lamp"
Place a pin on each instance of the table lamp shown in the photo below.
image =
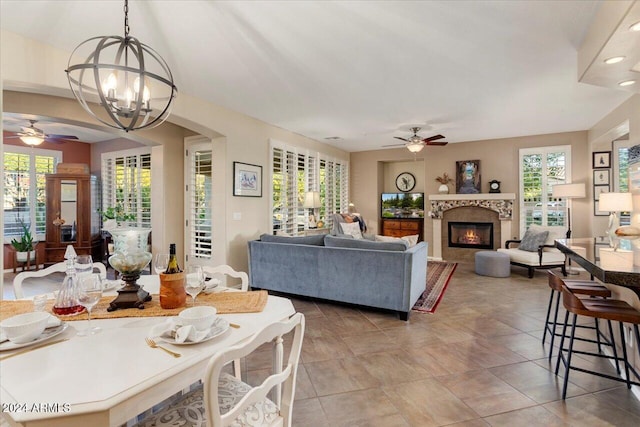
(569, 191)
(614, 203)
(312, 201)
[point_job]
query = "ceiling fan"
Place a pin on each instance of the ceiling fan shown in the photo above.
(416, 143)
(33, 136)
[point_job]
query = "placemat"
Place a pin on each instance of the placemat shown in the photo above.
(224, 302)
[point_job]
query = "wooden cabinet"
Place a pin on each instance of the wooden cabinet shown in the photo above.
(72, 216)
(399, 227)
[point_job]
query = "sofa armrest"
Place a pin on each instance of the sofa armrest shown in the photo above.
(509, 242)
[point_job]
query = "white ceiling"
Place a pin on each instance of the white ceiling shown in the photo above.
(364, 71)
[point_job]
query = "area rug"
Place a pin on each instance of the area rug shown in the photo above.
(438, 276)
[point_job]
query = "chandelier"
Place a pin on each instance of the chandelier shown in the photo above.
(124, 78)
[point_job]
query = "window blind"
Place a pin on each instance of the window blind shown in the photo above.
(199, 192)
(126, 184)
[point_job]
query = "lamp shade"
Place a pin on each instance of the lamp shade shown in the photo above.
(569, 191)
(312, 200)
(415, 147)
(616, 202)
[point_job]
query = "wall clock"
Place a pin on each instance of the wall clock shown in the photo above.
(405, 181)
(494, 186)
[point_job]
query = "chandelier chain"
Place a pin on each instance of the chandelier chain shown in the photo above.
(126, 18)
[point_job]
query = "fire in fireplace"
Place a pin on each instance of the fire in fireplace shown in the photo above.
(476, 235)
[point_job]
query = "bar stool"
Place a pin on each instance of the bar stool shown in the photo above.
(610, 310)
(581, 287)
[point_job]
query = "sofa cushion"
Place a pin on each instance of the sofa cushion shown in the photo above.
(316, 240)
(338, 242)
(555, 232)
(532, 240)
(351, 228)
(532, 258)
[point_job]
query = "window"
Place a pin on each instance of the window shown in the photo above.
(621, 165)
(24, 188)
(199, 193)
(126, 183)
(295, 171)
(540, 169)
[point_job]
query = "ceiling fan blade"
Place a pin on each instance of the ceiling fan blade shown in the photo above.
(433, 138)
(56, 136)
(394, 145)
(436, 143)
(59, 140)
(403, 139)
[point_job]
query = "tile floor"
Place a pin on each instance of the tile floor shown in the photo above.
(478, 361)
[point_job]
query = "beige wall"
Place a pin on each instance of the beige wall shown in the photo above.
(244, 139)
(498, 160)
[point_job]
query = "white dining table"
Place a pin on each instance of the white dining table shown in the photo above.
(109, 378)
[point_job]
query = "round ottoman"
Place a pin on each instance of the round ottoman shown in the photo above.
(493, 264)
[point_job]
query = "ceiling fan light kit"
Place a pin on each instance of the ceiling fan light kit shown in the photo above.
(127, 78)
(415, 147)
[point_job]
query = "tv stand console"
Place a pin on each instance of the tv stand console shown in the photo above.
(399, 227)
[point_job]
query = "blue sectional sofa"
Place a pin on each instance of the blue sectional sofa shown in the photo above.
(385, 275)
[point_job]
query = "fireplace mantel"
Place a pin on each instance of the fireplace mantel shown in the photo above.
(499, 202)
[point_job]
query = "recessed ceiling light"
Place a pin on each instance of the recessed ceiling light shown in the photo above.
(614, 60)
(627, 83)
(635, 27)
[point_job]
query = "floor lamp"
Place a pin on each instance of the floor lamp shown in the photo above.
(614, 203)
(569, 191)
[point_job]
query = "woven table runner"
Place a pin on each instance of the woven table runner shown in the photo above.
(224, 302)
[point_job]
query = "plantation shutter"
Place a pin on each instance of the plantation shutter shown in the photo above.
(540, 169)
(25, 171)
(200, 189)
(126, 183)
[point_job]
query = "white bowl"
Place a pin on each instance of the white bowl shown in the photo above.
(25, 327)
(201, 317)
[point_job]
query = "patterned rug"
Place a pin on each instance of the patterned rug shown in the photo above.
(438, 276)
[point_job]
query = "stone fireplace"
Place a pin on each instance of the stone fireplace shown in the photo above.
(455, 238)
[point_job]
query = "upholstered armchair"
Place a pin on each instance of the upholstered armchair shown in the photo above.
(537, 249)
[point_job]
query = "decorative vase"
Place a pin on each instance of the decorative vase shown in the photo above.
(129, 259)
(443, 189)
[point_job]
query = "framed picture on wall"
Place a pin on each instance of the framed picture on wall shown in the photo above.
(601, 159)
(468, 177)
(247, 180)
(601, 177)
(599, 189)
(597, 211)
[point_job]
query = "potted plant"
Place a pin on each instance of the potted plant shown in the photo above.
(444, 181)
(114, 216)
(24, 246)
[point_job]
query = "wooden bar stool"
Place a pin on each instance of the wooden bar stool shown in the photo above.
(610, 310)
(581, 287)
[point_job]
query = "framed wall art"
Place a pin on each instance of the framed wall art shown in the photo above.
(601, 177)
(599, 189)
(247, 180)
(601, 159)
(468, 177)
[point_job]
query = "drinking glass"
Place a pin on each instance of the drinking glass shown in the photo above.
(39, 302)
(195, 281)
(84, 266)
(89, 293)
(160, 263)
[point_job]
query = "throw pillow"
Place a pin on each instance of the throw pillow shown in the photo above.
(380, 238)
(352, 228)
(411, 240)
(532, 240)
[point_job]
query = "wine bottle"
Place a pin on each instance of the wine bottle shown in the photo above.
(172, 293)
(173, 267)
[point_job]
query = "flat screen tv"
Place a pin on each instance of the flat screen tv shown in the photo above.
(402, 205)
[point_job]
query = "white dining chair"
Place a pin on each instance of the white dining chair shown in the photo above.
(224, 269)
(223, 400)
(59, 267)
